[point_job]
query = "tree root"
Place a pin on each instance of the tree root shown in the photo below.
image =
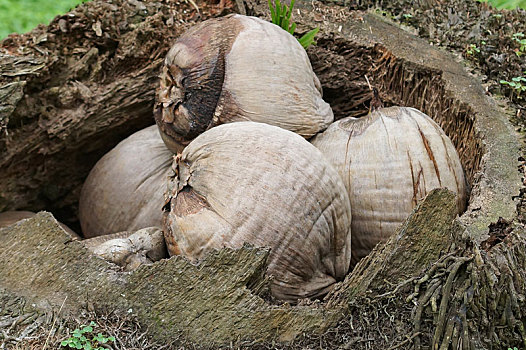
(446, 324)
(408, 340)
(445, 298)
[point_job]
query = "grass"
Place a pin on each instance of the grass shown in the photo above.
(508, 4)
(20, 16)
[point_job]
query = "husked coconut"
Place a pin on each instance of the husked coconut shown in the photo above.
(259, 184)
(130, 249)
(124, 190)
(389, 160)
(237, 68)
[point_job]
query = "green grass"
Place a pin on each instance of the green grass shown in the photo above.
(20, 16)
(508, 4)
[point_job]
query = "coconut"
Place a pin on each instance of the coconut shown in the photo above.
(389, 160)
(259, 184)
(130, 249)
(124, 190)
(237, 68)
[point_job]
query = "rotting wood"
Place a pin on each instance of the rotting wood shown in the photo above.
(71, 95)
(68, 117)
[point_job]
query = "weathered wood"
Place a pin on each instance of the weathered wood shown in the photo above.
(72, 90)
(430, 286)
(224, 296)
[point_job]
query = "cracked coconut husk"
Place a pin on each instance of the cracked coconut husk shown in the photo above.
(430, 285)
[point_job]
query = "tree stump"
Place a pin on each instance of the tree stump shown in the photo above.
(71, 91)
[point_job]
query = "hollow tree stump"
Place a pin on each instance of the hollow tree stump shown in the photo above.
(70, 91)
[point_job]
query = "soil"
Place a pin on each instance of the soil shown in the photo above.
(23, 327)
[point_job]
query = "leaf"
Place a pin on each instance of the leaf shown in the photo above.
(308, 39)
(285, 24)
(278, 11)
(71, 342)
(290, 9)
(281, 15)
(292, 28)
(272, 12)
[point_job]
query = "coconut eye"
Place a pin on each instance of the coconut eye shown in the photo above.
(256, 71)
(389, 161)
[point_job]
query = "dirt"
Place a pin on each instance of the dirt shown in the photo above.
(23, 327)
(498, 232)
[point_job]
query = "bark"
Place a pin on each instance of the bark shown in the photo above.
(223, 297)
(70, 91)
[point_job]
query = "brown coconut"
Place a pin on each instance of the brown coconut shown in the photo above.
(124, 190)
(389, 160)
(259, 184)
(237, 68)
